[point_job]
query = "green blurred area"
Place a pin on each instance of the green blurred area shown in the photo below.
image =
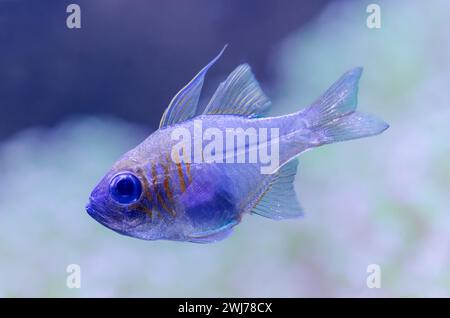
(382, 200)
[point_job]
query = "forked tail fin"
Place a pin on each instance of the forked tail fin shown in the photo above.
(332, 118)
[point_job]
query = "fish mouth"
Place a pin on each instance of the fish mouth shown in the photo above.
(116, 224)
(90, 210)
(102, 219)
(95, 214)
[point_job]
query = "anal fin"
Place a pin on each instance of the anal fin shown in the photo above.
(280, 201)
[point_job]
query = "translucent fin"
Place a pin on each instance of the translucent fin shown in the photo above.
(339, 100)
(212, 236)
(240, 94)
(280, 201)
(184, 105)
(332, 117)
(353, 126)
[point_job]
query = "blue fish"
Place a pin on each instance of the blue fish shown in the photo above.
(190, 181)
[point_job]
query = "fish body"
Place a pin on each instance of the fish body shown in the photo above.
(195, 177)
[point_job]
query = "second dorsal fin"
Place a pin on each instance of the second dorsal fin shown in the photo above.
(240, 94)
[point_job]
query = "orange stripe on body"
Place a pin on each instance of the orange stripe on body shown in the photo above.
(154, 176)
(164, 206)
(167, 188)
(147, 194)
(180, 173)
(188, 171)
(155, 185)
(181, 177)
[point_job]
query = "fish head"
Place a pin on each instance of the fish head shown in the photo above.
(120, 202)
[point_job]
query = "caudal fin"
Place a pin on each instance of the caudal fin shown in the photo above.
(332, 118)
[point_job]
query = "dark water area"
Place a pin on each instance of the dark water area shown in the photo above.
(129, 57)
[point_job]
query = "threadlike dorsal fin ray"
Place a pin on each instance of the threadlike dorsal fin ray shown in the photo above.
(184, 105)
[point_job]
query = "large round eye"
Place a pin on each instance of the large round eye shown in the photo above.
(125, 188)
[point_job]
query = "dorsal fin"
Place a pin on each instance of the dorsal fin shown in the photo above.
(184, 105)
(280, 201)
(240, 94)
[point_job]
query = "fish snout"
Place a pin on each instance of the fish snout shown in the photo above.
(89, 209)
(94, 211)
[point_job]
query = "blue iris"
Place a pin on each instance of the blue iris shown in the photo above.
(125, 188)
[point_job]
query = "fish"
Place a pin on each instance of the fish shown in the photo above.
(189, 181)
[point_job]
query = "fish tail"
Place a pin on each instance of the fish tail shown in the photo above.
(333, 117)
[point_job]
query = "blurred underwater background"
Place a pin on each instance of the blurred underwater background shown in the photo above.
(73, 101)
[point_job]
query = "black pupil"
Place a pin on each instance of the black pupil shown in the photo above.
(125, 187)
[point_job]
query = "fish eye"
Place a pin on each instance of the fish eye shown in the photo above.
(125, 188)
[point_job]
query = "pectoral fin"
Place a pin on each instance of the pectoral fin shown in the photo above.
(209, 207)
